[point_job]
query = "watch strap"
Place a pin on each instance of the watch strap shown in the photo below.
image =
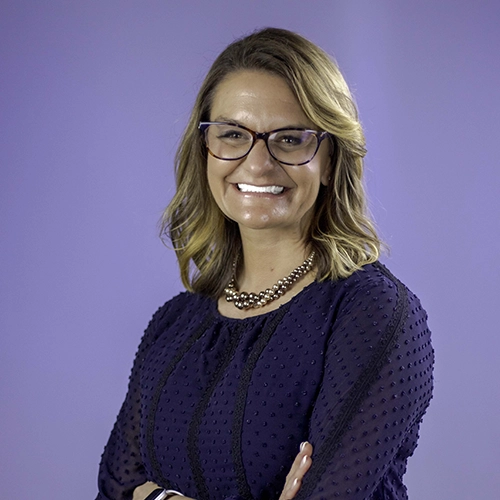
(162, 494)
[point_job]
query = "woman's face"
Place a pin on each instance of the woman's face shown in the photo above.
(263, 102)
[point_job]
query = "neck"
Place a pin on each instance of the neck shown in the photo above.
(265, 261)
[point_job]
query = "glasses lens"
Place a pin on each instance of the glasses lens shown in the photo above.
(228, 142)
(293, 146)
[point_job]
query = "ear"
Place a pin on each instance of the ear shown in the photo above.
(326, 175)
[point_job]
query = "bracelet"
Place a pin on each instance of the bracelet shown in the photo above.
(161, 494)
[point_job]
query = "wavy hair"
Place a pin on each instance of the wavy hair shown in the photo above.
(341, 232)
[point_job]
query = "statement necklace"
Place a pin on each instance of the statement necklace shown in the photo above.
(244, 300)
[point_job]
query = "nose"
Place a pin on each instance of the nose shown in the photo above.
(259, 157)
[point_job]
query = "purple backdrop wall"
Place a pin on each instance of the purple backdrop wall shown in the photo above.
(93, 98)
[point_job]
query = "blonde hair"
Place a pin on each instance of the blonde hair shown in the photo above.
(341, 233)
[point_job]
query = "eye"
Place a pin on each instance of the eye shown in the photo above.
(229, 134)
(232, 134)
(291, 139)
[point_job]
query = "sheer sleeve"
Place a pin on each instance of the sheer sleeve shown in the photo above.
(121, 469)
(376, 387)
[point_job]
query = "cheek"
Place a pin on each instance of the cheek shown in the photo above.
(216, 183)
(212, 178)
(312, 180)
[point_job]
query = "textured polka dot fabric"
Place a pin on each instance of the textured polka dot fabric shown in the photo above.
(217, 407)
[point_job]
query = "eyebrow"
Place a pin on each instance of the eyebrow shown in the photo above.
(226, 119)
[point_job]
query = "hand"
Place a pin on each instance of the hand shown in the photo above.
(142, 491)
(300, 466)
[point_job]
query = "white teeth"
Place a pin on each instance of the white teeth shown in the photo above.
(248, 188)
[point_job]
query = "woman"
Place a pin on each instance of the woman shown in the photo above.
(327, 349)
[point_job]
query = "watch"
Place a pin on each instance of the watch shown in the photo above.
(162, 494)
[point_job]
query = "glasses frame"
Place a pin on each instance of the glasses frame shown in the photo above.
(203, 126)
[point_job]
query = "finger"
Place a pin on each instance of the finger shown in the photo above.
(306, 450)
(292, 487)
(300, 466)
(296, 482)
(304, 466)
(290, 491)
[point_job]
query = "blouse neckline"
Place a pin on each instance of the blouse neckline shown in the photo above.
(261, 317)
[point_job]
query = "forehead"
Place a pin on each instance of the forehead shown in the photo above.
(259, 100)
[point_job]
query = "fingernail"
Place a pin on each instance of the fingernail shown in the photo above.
(295, 481)
(302, 445)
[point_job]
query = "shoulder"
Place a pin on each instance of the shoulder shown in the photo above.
(376, 319)
(382, 304)
(180, 309)
(371, 284)
(372, 277)
(183, 304)
(375, 300)
(176, 315)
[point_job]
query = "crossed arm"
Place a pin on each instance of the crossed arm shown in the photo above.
(300, 466)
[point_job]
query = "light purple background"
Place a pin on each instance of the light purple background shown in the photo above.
(94, 96)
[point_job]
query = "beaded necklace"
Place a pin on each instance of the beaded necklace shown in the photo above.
(244, 300)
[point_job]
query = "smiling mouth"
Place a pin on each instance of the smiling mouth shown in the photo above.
(249, 188)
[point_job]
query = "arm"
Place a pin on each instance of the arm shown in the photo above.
(377, 384)
(121, 469)
(300, 466)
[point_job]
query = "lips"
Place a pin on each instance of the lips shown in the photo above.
(249, 188)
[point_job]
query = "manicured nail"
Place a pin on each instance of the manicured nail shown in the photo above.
(295, 482)
(302, 445)
(304, 460)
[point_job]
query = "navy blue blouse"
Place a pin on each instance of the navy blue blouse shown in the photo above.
(217, 407)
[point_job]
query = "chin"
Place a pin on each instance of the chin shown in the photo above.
(256, 224)
(265, 223)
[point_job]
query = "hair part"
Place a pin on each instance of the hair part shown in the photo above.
(341, 232)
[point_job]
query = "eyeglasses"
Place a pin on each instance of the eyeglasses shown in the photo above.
(290, 146)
